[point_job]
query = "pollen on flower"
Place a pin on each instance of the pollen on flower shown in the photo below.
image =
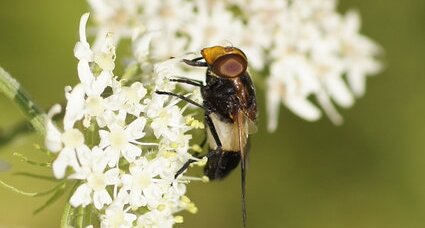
(161, 207)
(196, 148)
(196, 124)
(175, 145)
(188, 204)
(193, 209)
(178, 219)
(205, 179)
(169, 154)
(189, 120)
(202, 162)
(185, 199)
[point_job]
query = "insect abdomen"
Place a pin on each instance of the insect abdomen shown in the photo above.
(229, 161)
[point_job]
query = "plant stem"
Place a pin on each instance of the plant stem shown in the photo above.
(15, 92)
(69, 213)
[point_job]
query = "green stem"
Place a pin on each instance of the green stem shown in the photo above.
(69, 212)
(88, 215)
(15, 92)
(80, 217)
(13, 189)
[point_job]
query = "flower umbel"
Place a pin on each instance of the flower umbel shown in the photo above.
(302, 48)
(122, 141)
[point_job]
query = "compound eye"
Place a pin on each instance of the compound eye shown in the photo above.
(230, 66)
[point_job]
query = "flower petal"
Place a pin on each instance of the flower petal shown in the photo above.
(81, 196)
(53, 140)
(131, 152)
(101, 198)
(135, 130)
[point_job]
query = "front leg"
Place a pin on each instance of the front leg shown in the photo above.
(190, 161)
(188, 100)
(187, 81)
(195, 62)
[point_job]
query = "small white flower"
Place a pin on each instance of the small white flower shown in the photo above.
(122, 141)
(53, 135)
(357, 53)
(118, 17)
(73, 143)
(166, 119)
(128, 99)
(116, 217)
(144, 188)
(75, 106)
(82, 49)
(92, 169)
(208, 30)
(155, 219)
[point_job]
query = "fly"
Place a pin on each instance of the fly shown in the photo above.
(230, 109)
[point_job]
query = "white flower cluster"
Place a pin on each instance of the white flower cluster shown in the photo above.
(124, 143)
(306, 48)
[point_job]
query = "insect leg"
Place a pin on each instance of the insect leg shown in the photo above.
(207, 111)
(217, 141)
(184, 167)
(195, 62)
(190, 161)
(198, 58)
(188, 100)
(213, 131)
(187, 81)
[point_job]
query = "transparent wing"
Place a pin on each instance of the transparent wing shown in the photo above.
(242, 122)
(251, 125)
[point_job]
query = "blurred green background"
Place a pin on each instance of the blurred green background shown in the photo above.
(370, 172)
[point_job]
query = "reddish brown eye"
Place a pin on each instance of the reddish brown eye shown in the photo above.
(229, 66)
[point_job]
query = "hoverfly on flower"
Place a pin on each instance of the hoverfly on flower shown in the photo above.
(230, 109)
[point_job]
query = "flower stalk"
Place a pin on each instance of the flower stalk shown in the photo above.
(11, 88)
